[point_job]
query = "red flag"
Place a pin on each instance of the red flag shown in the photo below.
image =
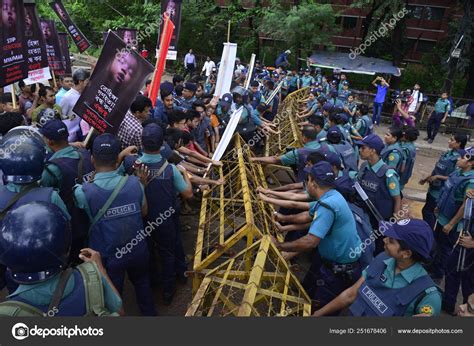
(168, 29)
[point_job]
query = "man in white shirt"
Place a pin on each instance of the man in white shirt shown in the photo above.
(69, 100)
(208, 66)
(417, 96)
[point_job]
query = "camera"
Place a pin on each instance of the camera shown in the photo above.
(21, 332)
(397, 95)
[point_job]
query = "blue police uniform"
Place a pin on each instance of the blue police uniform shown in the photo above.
(364, 125)
(449, 202)
(255, 99)
(381, 184)
(444, 167)
(387, 293)
(348, 155)
(392, 155)
(409, 155)
(64, 169)
(119, 234)
(307, 81)
(334, 224)
(161, 193)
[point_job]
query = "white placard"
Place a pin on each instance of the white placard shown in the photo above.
(226, 69)
(38, 76)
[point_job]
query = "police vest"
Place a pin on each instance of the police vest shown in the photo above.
(345, 186)
(374, 299)
(303, 154)
(348, 156)
(408, 164)
(364, 230)
(384, 155)
(74, 171)
(38, 194)
(368, 126)
(444, 167)
(161, 196)
(375, 186)
(255, 99)
(122, 220)
(447, 203)
(246, 127)
(86, 298)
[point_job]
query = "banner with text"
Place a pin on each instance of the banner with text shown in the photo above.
(64, 45)
(53, 49)
(172, 8)
(119, 75)
(77, 36)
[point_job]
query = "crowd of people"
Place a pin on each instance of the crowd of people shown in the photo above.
(77, 215)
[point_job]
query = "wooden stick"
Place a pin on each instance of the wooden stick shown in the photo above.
(89, 136)
(54, 79)
(13, 96)
(228, 31)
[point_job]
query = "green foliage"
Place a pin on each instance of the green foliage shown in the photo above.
(302, 27)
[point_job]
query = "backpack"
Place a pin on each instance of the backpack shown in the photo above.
(94, 291)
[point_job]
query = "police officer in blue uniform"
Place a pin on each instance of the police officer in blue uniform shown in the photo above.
(255, 96)
(64, 169)
(115, 205)
(34, 244)
(379, 181)
(22, 164)
(344, 149)
(363, 122)
(307, 80)
(410, 135)
(333, 232)
(395, 283)
(392, 153)
(223, 112)
(443, 168)
(165, 182)
(450, 208)
(188, 96)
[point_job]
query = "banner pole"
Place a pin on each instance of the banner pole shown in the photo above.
(54, 79)
(89, 136)
(228, 31)
(13, 96)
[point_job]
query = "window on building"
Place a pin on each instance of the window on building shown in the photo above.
(425, 12)
(349, 23)
(425, 46)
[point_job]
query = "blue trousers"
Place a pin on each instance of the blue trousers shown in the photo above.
(454, 279)
(428, 210)
(135, 264)
(377, 112)
(434, 123)
(444, 248)
(330, 285)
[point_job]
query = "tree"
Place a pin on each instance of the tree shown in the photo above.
(303, 27)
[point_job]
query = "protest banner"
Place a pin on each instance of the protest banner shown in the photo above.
(53, 49)
(171, 9)
(129, 36)
(77, 36)
(37, 56)
(64, 45)
(119, 75)
(14, 54)
(226, 69)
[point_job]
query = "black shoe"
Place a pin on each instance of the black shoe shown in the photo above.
(168, 297)
(426, 139)
(430, 141)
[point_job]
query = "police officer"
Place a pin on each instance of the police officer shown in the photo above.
(438, 116)
(319, 76)
(392, 153)
(410, 135)
(395, 283)
(345, 150)
(188, 96)
(164, 184)
(22, 164)
(64, 169)
(379, 181)
(34, 245)
(307, 80)
(292, 157)
(344, 93)
(255, 96)
(443, 168)
(332, 231)
(363, 122)
(269, 86)
(450, 207)
(115, 205)
(223, 112)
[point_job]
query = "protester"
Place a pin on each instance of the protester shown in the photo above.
(130, 131)
(66, 84)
